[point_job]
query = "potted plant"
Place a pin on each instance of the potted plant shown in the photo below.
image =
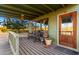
(48, 41)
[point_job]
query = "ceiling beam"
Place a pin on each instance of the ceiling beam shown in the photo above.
(14, 15)
(12, 12)
(7, 15)
(9, 11)
(48, 7)
(35, 9)
(63, 5)
(1, 13)
(14, 8)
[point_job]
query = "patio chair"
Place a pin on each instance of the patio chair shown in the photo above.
(41, 37)
(37, 36)
(29, 35)
(34, 36)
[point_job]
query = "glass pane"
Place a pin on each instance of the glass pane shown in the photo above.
(67, 25)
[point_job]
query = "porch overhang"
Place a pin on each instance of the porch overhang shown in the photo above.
(30, 11)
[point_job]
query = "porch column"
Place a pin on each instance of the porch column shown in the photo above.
(40, 26)
(30, 27)
(44, 21)
(45, 27)
(35, 26)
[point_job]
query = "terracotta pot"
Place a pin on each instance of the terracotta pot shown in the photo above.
(48, 42)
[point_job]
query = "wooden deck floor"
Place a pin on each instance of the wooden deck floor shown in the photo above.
(4, 44)
(28, 47)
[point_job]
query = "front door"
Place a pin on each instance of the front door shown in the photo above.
(68, 29)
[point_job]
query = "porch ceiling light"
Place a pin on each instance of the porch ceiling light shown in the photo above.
(22, 16)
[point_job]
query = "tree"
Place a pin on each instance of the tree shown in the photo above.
(15, 25)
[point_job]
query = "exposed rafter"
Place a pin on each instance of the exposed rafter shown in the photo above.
(18, 9)
(63, 5)
(8, 14)
(14, 15)
(35, 9)
(9, 11)
(48, 7)
(13, 12)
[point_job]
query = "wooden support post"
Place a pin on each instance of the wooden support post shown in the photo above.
(35, 26)
(40, 26)
(44, 21)
(45, 27)
(30, 27)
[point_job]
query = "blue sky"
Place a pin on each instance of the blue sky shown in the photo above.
(1, 19)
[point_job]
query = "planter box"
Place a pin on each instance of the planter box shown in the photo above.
(48, 41)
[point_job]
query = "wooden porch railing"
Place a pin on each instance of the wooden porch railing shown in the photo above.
(14, 42)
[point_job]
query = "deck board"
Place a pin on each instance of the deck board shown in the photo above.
(36, 48)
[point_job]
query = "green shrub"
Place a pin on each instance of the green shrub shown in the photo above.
(4, 29)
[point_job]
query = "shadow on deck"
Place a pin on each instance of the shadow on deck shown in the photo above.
(29, 47)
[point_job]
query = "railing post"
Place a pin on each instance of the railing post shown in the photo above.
(14, 42)
(17, 44)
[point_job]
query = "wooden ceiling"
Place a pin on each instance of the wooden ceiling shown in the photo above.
(29, 10)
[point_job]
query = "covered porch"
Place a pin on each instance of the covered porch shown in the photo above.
(51, 19)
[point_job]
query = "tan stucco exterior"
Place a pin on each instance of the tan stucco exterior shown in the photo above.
(54, 22)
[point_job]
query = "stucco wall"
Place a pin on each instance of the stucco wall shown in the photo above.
(52, 25)
(54, 21)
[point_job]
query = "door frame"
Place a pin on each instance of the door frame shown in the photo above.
(58, 32)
